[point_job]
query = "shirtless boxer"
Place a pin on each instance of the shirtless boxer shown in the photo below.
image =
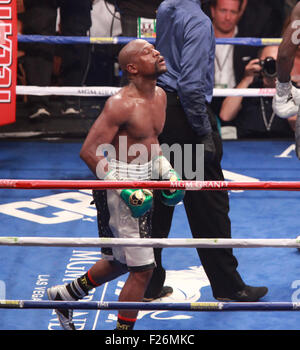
(287, 99)
(135, 114)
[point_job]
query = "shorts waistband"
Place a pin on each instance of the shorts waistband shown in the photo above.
(131, 171)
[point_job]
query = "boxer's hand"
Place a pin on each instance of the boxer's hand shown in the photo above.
(284, 102)
(172, 197)
(162, 169)
(138, 201)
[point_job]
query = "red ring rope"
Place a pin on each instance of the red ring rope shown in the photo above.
(186, 185)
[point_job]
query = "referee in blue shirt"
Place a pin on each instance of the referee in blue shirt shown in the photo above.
(185, 38)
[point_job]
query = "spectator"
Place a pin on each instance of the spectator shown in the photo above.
(229, 59)
(206, 7)
(254, 117)
(103, 63)
(75, 20)
(105, 19)
(225, 17)
(255, 18)
(40, 17)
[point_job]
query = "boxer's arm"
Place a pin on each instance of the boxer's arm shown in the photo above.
(101, 133)
(288, 47)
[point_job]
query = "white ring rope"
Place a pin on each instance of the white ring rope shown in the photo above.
(150, 242)
(105, 91)
(102, 91)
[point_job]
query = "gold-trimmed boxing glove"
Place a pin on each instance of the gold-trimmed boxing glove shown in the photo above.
(163, 170)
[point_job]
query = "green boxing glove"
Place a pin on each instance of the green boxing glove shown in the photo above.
(172, 197)
(138, 201)
(162, 169)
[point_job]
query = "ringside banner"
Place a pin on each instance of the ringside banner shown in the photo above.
(8, 61)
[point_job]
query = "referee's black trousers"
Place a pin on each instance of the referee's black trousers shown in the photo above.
(207, 212)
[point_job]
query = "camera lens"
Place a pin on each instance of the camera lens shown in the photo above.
(269, 67)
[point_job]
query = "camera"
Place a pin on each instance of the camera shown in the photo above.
(269, 67)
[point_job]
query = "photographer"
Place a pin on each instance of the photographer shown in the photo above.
(254, 116)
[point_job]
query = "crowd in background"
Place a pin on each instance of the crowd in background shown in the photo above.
(238, 66)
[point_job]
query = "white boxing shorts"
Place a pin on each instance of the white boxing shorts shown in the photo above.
(115, 219)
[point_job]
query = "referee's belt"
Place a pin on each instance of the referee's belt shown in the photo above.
(173, 99)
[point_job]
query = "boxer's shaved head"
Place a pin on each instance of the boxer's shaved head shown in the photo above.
(129, 52)
(140, 58)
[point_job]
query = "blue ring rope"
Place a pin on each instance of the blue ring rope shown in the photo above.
(197, 306)
(124, 40)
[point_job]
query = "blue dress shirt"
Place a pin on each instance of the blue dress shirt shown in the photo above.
(185, 37)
